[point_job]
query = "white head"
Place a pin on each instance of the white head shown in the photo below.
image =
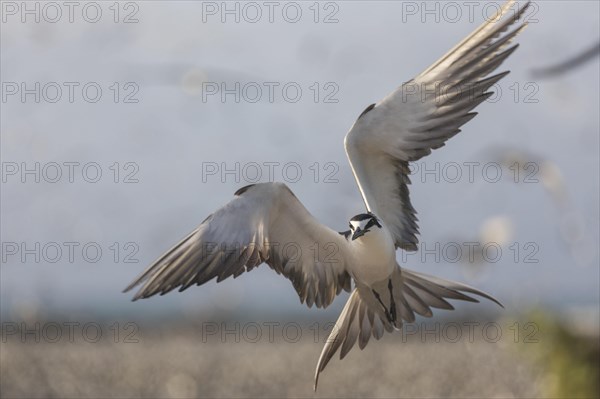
(362, 224)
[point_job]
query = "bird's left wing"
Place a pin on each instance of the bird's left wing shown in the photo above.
(263, 223)
(420, 116)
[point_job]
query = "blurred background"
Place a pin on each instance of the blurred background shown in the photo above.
(124, 124)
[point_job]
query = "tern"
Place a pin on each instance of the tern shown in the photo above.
(267, 223)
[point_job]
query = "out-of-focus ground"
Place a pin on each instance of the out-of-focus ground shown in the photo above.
(539, 359)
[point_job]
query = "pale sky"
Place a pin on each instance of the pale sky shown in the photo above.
(164, 158)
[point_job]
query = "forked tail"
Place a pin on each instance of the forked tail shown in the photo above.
(384, 306)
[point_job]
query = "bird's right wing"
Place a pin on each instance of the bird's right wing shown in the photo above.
(421, 116)
(263, 223)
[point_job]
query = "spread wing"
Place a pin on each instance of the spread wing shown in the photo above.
(263, 223)
(420, 116)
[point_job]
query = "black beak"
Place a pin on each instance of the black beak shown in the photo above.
(357, 233)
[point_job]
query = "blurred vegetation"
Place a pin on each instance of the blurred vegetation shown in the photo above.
(571, 360)
(547, 355)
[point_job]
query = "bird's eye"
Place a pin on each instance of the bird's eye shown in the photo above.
(350, 225)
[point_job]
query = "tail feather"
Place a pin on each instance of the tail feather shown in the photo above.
(444, 286)
(384, 306)
(345, 332)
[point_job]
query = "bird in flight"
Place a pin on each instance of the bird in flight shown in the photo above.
(267, 223)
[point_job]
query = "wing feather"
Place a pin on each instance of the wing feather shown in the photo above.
(421, 116)
(263, 223)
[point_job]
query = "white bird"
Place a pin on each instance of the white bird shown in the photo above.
(267, 223)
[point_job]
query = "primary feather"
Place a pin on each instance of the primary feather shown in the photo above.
(420, 116)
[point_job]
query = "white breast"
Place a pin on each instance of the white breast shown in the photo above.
(374, 256)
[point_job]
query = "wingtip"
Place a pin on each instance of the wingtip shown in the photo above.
(126, 290)
(141, 294)
(491, 298)
(136, 297)
(488, 297)
(520, 13)
(526, 6)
